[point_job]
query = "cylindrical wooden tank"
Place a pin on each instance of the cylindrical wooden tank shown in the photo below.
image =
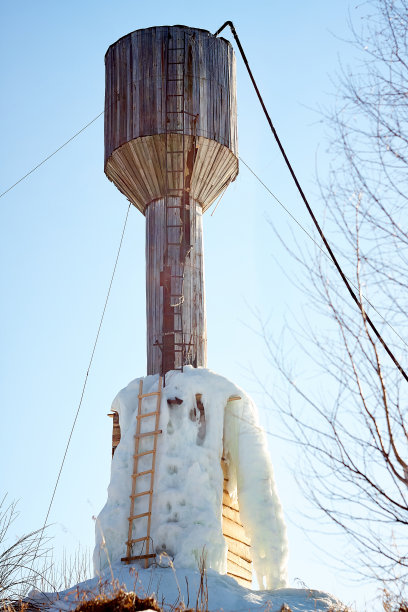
(171, 149)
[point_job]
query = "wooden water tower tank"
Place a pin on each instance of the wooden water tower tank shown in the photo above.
(171, 149)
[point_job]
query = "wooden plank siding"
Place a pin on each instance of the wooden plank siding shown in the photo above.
(239, 559)
(135, 112)
(137, 168)
(135, 86)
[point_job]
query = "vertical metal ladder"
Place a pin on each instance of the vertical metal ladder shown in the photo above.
(144, 541)
(177, 212)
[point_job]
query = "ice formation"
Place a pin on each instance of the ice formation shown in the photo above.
(187, 500)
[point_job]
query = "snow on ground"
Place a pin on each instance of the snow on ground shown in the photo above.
(170, 586)
(187, 501)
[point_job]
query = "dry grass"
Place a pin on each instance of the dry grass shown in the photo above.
(120, 601)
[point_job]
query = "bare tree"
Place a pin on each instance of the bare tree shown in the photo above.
(352, 424)
(19, 557)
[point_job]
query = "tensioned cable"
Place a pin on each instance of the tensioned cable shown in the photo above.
(85, 382)
(320, 248)
(52, 154)
(309, 209)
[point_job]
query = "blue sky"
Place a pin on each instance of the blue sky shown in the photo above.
(60, 230)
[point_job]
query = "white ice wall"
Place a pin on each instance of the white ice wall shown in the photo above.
(187, 501)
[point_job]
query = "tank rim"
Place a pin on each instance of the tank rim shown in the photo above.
(165, 26)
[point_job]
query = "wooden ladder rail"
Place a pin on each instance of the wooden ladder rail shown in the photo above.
(136, 474)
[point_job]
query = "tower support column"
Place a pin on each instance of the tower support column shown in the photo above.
(175, 305)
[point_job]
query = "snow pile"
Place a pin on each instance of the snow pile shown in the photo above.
(170, 587)
(187, 501)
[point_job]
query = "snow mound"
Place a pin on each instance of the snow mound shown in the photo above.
(170, 587)
(188, 487)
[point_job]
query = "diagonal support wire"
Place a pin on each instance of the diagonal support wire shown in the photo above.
(309, 209)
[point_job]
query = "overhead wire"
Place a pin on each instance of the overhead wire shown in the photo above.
(309, 235)
(51, 154)
(220, 198)
(309, 209)
(84, 384)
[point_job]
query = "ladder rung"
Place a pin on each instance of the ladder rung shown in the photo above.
(175, 48)
(175, 95)
(180, 79)
(148, 433)
(140, 494)
(137, 557)
(148, 394)
(136, 516)
(147, 414)
(142, 473)
(130, 542)
(149, 452)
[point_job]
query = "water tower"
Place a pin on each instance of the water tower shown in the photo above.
(171, 149)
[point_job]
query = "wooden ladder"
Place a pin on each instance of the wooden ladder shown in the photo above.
(177, 245)
(136, 475)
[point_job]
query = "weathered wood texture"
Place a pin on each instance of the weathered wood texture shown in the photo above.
(138, 168)
(115, 430)
(193, 320)
(137, 79)
(239, 559)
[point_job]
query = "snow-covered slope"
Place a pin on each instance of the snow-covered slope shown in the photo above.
(187, 502)
(170, 586)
